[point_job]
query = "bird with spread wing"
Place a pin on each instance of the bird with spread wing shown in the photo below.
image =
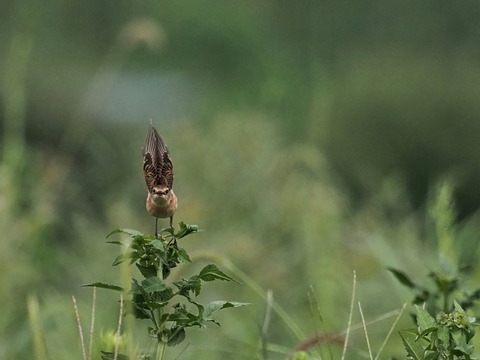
(158, 169)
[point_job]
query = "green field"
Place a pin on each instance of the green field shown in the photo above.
(314, 142)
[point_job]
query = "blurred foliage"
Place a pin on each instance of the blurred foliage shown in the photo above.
(306, 138)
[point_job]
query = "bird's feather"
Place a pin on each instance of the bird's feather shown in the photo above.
(157, 165)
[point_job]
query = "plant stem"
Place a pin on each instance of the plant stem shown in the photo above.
(160, 350)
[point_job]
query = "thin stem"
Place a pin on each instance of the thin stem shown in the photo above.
(347, 335)
(119, 327)
(153, 318)
(390, 332)
(92, 323)
(261, 293)
(366, 333)
(82, 342)
(266, 323)
(161, 350)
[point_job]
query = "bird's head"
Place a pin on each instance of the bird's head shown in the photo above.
(160, 193)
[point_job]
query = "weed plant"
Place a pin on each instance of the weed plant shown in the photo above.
(169, 308)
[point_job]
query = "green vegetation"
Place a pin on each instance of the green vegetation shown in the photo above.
(152, 298)
(313, 140)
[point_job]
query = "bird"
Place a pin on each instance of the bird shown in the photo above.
(158, 169)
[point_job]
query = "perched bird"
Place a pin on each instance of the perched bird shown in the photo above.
(158, 169)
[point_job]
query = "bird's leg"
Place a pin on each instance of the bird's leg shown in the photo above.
(174, 240)
(156, 227)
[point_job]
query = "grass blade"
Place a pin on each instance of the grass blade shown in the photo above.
(347, 335)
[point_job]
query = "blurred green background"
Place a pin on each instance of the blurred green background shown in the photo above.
(307, 139)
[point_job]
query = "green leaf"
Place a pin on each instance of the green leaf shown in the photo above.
(116, 242)
(153, 284)
(168, 230)
(179, 317)
(157, 244)
(147, 271)
(424, 319)
(443, 334)
(433, 356)
(137, 310)
(186, 230)
(215, 306)
(130, 232)
(402, 278)
(414, 350)
(457, 306)
(211, 272)
(165, 295)
(425, 332)
(183, 255)
(101, 285)
(121, 258)
(177, 336)
(185, 286)
(200, 307)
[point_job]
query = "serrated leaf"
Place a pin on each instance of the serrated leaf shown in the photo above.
(424, 319)
(215, 306)
(130, 232)
(402, 278)
(153, 284)
(177, 336)
(147, 271)
(414, 350)
(443, 334)
(101, 285)
(211, 272)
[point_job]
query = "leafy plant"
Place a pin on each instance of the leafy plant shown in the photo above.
(444, 330)
(446, 337)
(171, 308)
(447, 288)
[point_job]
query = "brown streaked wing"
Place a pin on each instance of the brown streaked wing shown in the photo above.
(155, 145)
(157, 164)
(149, 171)
(166, 172)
